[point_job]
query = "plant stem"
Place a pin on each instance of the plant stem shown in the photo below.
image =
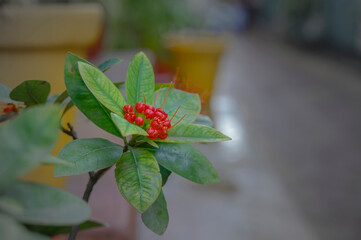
(70, 132)
(93, 179)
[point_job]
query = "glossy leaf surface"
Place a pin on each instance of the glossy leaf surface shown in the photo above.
(140, 77)
(26, 140)
(45, 205)
(156, 218)
(83, 98)
(138, 178)
(189, 102)
(126, 128)
(186, 161)
(31, 92)
(102, 88)
(87, 154)
(194, 133)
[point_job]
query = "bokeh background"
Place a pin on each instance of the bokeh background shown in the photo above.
(281, 77)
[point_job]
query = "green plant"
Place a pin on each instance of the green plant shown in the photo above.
(145, 161)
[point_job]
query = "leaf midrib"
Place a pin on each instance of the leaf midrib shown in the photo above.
(139, 180)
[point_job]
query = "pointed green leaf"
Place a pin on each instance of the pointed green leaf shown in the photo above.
(31, 92)
(140, 77)
(189, 102)
(148, 140)
(102, 88)
(156, 218)
(186, 161)
(83, 98)
(45, 205)
(87, 154)
(126, 128)
(109, 63)
(203, 120)
(138, 178)
(194, 133)
(57, 230)
(26, 140)
(165, 174)
(11, 230)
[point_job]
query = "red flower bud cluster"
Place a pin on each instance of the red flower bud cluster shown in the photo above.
(10, 107)
(155, 121)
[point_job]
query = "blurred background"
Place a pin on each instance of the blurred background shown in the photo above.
(281, 77)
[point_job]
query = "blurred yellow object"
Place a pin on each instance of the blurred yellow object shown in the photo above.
(33, 44)
(196, 56)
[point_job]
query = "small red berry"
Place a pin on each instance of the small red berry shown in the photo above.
(128, 108)
(140, 107)
(150, 107)
(153, 134)
(163, 135)
(128, 117)
(166, 123)
(155, 124)
(160, 110)
(149, 114)
(159, 115)
(139, 121)
(10, 108)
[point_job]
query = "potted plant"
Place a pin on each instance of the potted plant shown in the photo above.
(155, 123)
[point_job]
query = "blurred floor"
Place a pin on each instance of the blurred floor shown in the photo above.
(292, 170)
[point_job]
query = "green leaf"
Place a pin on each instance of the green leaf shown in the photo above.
(5, 94)
(138, 178)
(87, 154)
(11, 230)
(109, 63)
(189, 102)
(156, 218)
(203, 120)
(148, 140)
(31, 92)
(194, 133)
(83, 98)
(45, 205)
(10, 205)
(140, 77)
(57, 230)
(26, 140)
(126, 128)
(165, 174)
(186, 161)
(102, 88)
(56, 161)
